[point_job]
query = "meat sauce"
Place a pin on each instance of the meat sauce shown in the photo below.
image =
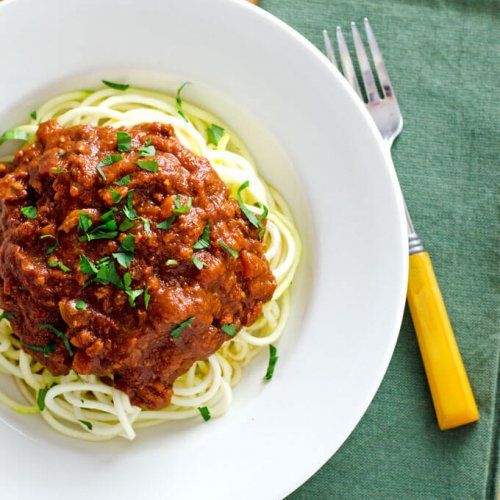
(142, 322)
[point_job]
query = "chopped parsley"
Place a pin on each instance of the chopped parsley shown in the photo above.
(147, 298)
(147, 149)
(6, 315)
(182, 209)
(273, 358)
(204, 241)
(105, 229)
(40, 398)
(124, 181)
(29, 211)
(205, 413)
(146, 223)
(171, 262)
(52, 247)
(59, 334)
(231, 251)
(58, 170)
(229, 329)
(262, 217)
(176, 332)
(80, 305)
(106, 162)
(214, 134)
(33, 115)
(249, 214)
(178, 101)
(87, 267)
(116, 86)
(116, 196)
(129, 212)
(57, 263)
(14, 134)
(166, 223)
(149, 165)
(88, 425)
(127, 247)
(47, 349)
(124, 142)
(197, 262)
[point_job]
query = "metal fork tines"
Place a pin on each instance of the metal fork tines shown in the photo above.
(384, 109)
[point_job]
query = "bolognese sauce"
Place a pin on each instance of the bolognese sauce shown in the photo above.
(122, 255)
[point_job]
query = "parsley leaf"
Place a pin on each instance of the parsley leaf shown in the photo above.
(128, 243)
(249, 214)
(147, 298)
(29, 211)
(166, 223)
(273, 358)
(182, 209)
(124, 181)
(106, 162)
(6, 315)
(147, 149)
(84, 222)
(80, 305)
(149, 165)
(33, 115)
(204, 241)
(123, 258)
(40, 398)
(231, 251)
(116, 86)
(59, 264)
(178, 101)
(171, 262)
(132, 295)
(124, 142)
(197, 262)
(47, 349)
(87, 267)
(106, 229)
(214, 134)
(176, 332)
(116, 196)
(88, 425)
(229, 329)
(52, 247)
(59, 334)
(205, 413)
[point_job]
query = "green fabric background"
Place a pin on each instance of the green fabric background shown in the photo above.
(443, 58)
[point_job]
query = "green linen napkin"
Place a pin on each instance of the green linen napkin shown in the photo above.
(442, 57)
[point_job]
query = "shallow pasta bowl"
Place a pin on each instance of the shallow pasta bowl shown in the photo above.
(312, 140)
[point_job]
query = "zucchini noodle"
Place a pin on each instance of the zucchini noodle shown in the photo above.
(82, 406)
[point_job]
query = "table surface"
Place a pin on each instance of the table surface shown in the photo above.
(443, 60)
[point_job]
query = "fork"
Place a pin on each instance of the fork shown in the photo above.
(450, 388)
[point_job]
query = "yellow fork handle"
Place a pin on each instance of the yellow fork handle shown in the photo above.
(450, 388)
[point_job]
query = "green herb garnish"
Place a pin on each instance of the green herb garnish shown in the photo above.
(59, 264)
(204, 241)
(106, 162)
(166, 223)
(125, 257)
(88, 425)
(149, 165)
(80, 305)
(124, 142)
(59, 334)
(6, 315)
(29, 211)
(52, 247)
(40, 398)
(47, 349)
(171, 262)
(105, 229)
(86, 266)
(229, 329)
(33, 115)
(116, 86)
(147, 298)
(116, 196)
(182, 209)
(14, 134)
(147, 149)
(84, 222)
(205, 413)
(197, 262)
(176, 332)
(124, 181)
(249, 214)
(58, 170)
(273, 358)
(214, 134)
(178, 101)
(231, 251)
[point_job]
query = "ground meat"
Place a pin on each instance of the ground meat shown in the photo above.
(141, 331)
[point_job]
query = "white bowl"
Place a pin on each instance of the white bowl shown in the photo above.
(312, 139)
